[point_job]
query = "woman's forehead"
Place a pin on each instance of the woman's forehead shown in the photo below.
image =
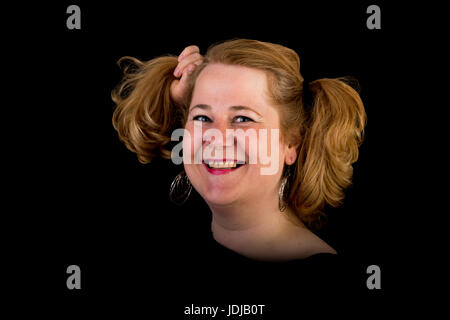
(221, 85)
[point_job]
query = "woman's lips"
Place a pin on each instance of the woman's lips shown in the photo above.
(220, 171)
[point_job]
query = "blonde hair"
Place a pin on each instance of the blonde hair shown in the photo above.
(327, 135)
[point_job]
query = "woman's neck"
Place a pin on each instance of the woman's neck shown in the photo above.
(260, 231)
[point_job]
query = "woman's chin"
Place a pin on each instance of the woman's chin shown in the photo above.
(218, 198)
(219, 188)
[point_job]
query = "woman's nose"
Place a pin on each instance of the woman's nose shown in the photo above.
(220, 134)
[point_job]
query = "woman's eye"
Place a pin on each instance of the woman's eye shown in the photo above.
(242, 119)
(202, 118)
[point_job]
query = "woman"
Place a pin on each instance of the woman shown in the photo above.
(247, 86)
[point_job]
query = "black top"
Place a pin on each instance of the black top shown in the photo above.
(165, 277)
(219, 275)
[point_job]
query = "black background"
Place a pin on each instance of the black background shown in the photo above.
(79, 197)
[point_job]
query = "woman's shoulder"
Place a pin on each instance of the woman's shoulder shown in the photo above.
(301, 243)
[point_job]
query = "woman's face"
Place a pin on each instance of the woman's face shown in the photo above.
(234, 97)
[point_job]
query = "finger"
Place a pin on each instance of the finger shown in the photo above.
(186, 74)
(195, 58)
(187, 51)
(192, 58)
(180, 71)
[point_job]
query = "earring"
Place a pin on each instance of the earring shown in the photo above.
(284, 189)
(180, 189)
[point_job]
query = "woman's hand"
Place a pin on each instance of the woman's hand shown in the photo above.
(188, 60)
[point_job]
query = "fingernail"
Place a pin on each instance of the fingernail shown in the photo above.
(175, 73)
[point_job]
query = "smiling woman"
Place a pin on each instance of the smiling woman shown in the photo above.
(246, 89)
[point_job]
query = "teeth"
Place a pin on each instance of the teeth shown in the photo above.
(221, 164)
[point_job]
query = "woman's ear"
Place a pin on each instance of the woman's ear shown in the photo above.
(290, 154)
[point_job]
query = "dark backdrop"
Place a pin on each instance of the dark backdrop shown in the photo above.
(88, 200)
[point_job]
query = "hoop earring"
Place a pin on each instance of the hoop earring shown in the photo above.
(284, 189)
(180, 189)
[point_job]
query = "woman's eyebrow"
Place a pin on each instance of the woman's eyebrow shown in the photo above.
(201, 106)
(235, 108)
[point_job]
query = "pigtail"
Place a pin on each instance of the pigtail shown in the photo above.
(145, 115)
(332, 135)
